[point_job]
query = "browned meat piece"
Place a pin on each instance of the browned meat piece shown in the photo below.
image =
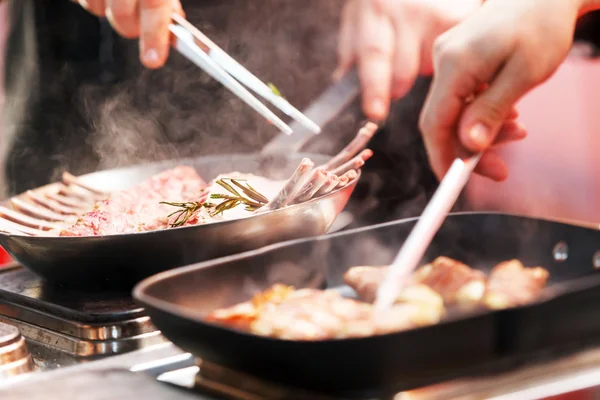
(455, 282)
(365, 281)
(242, 315)
(309, 314)
(511, 284)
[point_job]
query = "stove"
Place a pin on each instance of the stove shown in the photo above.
(64, 327)
(102, 346)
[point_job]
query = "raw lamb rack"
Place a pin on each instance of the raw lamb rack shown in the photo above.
(172, 198)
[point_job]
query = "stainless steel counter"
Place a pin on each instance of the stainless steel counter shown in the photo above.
(165, 372)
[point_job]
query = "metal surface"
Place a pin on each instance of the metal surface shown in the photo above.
(336, 98)
(191, 48)
(207, 55)
(562, 320)
(14, 355)
(578, 374)
(79, 325)
(120, 261)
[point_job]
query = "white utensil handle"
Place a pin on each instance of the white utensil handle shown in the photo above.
(419, 239)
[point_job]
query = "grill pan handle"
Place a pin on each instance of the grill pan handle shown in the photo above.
(335, 99)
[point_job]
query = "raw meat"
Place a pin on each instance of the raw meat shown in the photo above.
(138, 209)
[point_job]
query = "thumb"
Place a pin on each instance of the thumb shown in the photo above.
(482, 119)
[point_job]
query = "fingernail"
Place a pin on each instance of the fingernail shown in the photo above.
(378, 108)
(151, 56)
(109, 16)
(84, 4)
(479, 135)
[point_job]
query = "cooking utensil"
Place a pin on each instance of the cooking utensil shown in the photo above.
(335, 99)
(120, 261)
(431, 220)
(563, 319)
(200, 50)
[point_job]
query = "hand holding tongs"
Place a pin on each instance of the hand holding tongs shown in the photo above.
(199, 49)
(419, 239)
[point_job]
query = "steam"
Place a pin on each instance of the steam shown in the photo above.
(180, 111)
(83, 112)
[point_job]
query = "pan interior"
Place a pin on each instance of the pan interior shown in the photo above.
(480, 240)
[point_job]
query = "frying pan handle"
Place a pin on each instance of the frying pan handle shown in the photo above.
(329, 105)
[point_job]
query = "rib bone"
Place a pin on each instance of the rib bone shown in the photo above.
(292, 185)
(311, 187)
(73, 180)
(42, 211)
(355, 163)
(357, 144)
(330, 184)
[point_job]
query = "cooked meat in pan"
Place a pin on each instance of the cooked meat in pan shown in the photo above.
(180, 197)
(511, 284)
(309, 314)
(457, 283)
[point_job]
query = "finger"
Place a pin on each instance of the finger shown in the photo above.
(492, 166)
(155, 17)
(347, 39)
(375, 57)
(177, 8)
(438, 124)
(452, 86)
(96, 7)
(482, 119)
(513, 114)
(407, 58)
(511, 131)
(124, 16)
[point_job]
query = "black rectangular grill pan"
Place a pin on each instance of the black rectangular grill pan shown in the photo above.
(177, 301)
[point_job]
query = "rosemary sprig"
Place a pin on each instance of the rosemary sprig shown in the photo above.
(187, 211)
(252, 199)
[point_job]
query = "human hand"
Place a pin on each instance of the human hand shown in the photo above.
(147, 19)
(391, 42)
(507, 47)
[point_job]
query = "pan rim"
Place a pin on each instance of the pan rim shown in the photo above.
(139, 292)
(350, 184)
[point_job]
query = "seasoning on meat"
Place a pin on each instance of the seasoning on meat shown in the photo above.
(511, 284)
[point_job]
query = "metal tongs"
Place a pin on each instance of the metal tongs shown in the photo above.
(419, 239)
(199, 49)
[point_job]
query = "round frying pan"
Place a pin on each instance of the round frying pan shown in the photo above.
(120, 261)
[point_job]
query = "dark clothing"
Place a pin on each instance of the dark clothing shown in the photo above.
(78, 99)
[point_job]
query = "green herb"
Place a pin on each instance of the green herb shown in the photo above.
(248, 197)
(187, 211)
(274, 89)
